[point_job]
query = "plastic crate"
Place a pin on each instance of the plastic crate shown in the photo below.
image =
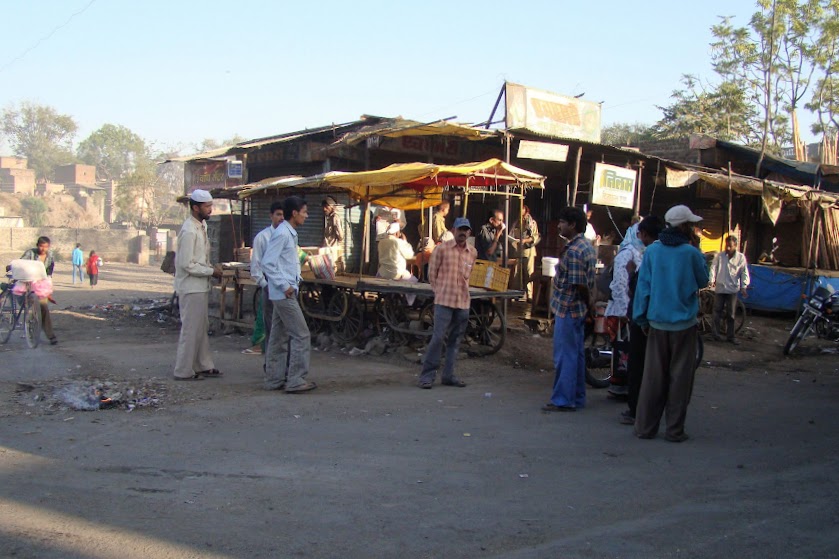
(489, 275)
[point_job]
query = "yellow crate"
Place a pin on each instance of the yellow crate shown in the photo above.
(489, 275)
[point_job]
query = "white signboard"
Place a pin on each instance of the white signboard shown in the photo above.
(556, 116)
(542, 150)
(613, 186)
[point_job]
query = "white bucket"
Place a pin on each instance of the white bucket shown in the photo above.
(549, 266)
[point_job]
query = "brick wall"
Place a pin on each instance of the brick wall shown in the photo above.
(116, 245)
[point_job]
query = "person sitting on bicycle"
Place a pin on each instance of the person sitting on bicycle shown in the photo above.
(729, 276)
(43, 253)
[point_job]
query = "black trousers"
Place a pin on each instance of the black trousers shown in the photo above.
(635, 367)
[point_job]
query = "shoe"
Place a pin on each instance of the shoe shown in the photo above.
(210, 373)
(618, 390)
(196, 376)
(677, 439)
(305, 387)
(454, 381)
(645, 436)
(554, 407)
(716, 337)
(425, 384)
(53, 341)
(733, 341)
(627, 418)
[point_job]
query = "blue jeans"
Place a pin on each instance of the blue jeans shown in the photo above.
(570, 363)
(449, 325)
(80, 269)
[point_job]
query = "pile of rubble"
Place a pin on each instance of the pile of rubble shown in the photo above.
(90, 394)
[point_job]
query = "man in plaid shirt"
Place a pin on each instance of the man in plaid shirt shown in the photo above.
(448, 272)
(573, 287)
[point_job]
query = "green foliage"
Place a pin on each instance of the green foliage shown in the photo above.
(115, 150)
(721, 111)
(33, 210)
(209, 144)
(626, 134)
(40, 134)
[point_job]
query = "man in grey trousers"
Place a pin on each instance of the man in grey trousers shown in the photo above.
(290, 346)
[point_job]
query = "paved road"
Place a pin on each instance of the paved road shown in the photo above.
(369, 466)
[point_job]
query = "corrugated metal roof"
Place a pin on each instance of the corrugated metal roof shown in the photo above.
(280, 138)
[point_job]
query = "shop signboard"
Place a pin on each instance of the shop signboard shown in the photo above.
(207, 175)
(613, 186)
(552, 115)
(542, 150)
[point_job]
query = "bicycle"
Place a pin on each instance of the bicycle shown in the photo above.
(706, 313)
(14, 309)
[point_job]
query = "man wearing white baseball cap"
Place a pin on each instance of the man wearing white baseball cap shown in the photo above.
(192, 284)
(666, 302)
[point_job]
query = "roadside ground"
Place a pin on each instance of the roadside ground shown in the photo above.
(370, 466)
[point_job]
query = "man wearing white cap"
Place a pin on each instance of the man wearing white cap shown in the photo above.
(192, 284)
(666, 302)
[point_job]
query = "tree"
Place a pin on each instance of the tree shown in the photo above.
(33, 209)
(115, 150)
(40, 134)
(722, 111)
(825, 97)
(149, 195)
(626, 134)
(209, 144)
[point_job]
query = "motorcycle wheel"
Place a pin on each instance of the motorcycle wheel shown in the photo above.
(598, 367)
(802, 326)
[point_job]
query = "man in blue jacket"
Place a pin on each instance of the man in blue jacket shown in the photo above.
(78, 261)
(666, 302)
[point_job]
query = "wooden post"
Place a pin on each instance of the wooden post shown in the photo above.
(365, 243)
(576, 181)
(730, 198)
(637, 211)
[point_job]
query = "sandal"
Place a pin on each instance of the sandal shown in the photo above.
(196, 376)
(306, 387)
(252, 351)
(453, 382)
(211, 373)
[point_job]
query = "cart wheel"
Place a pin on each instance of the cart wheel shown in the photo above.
(426, 317)
(32, 321)
(487, 326)
(311, 301)
(390, 310)
(348, 328)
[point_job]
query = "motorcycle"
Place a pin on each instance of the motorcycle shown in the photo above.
(819, 316)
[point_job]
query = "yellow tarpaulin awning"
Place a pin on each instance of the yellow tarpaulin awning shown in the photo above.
(412, 186)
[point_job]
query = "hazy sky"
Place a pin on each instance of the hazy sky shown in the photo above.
(177, 72)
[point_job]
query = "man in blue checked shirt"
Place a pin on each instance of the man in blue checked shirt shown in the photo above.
(573, 288)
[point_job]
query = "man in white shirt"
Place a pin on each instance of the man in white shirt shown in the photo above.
(192, 284)
(394, 252)
(262, 326)
(729, 276)
(290, 344)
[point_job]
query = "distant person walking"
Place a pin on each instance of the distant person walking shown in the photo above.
(78, 263)
(571, 302)
(448, 272)
(729, 276)
(290, 344)
(666, 302)
(92, 267)
(192, 284)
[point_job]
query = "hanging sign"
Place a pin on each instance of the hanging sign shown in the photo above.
(613, 186)
(542, 150)
(552, 115)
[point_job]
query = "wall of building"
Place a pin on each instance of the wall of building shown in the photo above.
(17, 181)
(12, 162)
(116, 245)
(80, 174)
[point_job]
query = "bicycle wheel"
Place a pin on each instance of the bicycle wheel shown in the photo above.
(739, 316)
(7, 316)
(32, 321)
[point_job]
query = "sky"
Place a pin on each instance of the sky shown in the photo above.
(178, 72)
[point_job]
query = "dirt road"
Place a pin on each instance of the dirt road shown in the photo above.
(370, 466)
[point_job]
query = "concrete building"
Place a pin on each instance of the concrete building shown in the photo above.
(15, 178)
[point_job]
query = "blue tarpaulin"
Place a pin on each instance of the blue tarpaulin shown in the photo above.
(780, 289)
